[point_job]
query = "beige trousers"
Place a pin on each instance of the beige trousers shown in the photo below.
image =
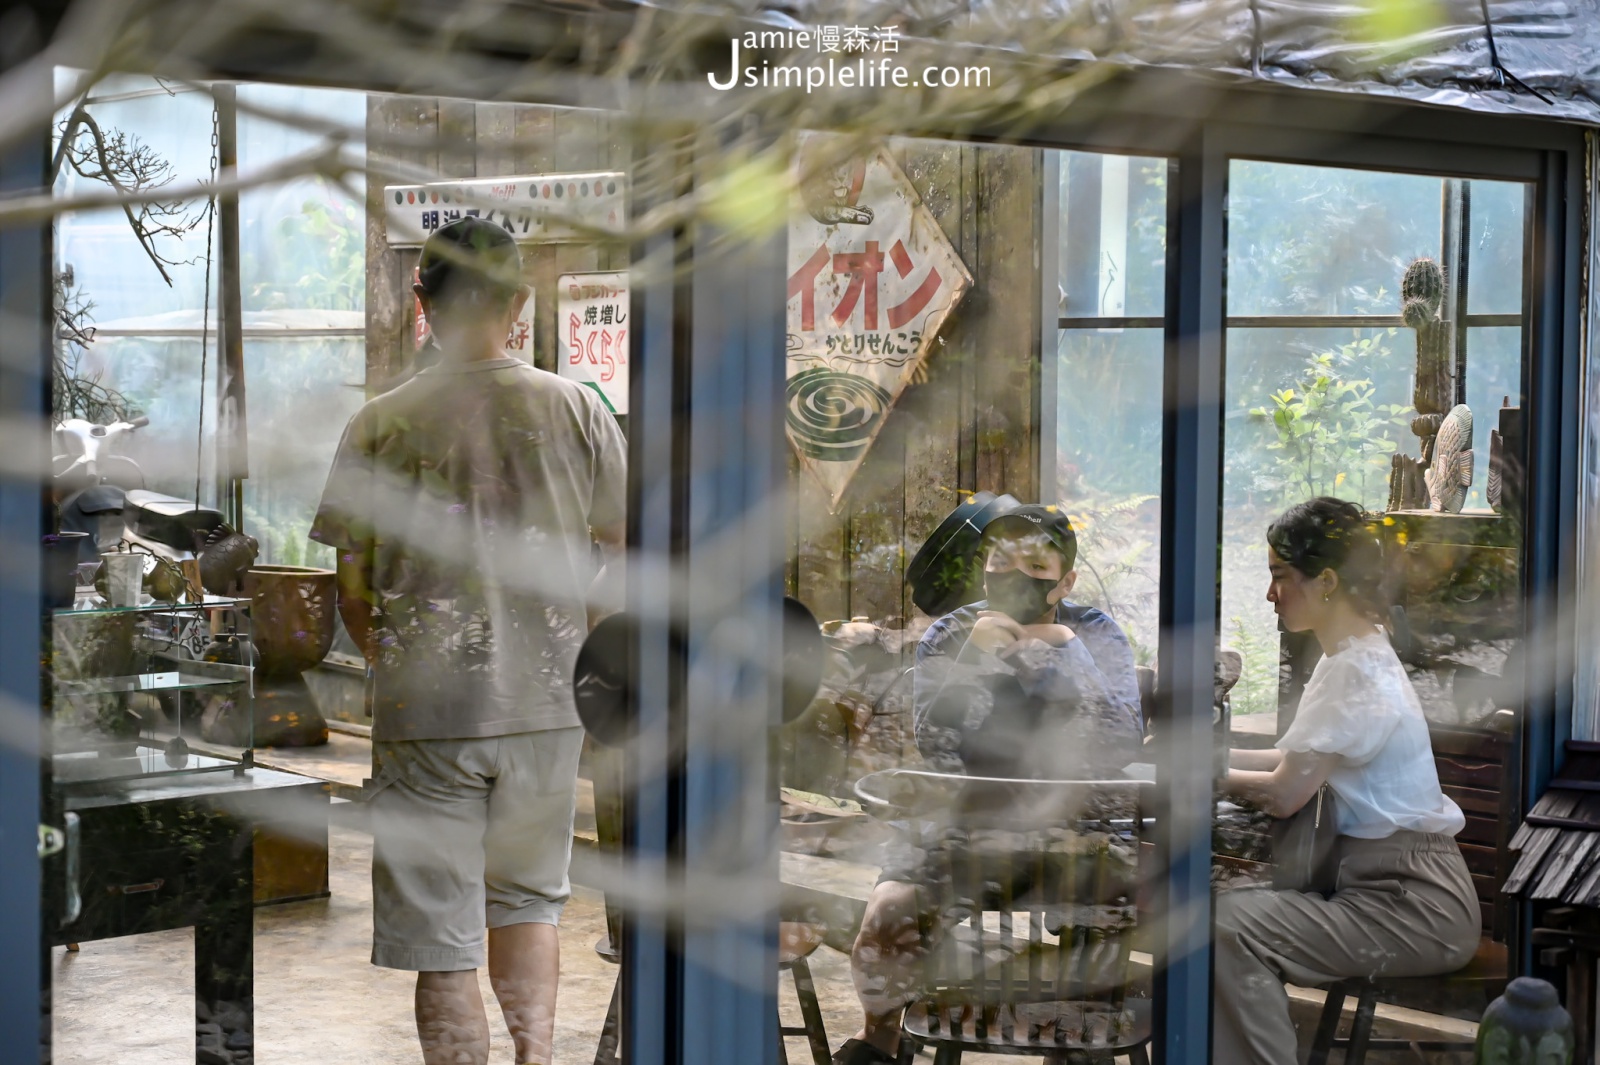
(1404, 906)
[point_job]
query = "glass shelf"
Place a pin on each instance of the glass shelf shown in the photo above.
(140, 760)
(122, 672)
(209, 602)
(144, 682)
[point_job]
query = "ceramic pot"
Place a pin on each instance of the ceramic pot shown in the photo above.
(1525, 1026)
(291, 616)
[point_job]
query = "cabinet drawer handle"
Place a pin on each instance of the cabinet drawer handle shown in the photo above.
(138, 889)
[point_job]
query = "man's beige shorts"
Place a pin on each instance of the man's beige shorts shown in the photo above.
(468, 834)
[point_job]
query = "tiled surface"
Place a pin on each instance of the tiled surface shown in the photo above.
(319, 1002)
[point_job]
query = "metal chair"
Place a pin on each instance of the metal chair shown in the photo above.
(1035, 884)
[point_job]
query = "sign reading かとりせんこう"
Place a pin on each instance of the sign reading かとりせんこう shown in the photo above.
(592, 334)
(872, 279)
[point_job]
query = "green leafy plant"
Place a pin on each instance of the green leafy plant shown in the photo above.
(1331, 437)
(1257, 690)
(1118, 565)
(323, 249)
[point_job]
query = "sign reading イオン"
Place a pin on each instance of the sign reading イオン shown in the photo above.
(872, 278)
(592, 334)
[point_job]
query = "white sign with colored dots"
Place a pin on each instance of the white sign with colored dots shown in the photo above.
(532, 208)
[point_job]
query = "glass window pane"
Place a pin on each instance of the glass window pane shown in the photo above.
(1108, 471)
(1379, 651)
(1310, 412)
(1113, 235)
(1494, 380)
(918, 679)
(168, 130)
(302, 393)
(1315, 240)
(160, 377)
(1497, 248)
(304, 240)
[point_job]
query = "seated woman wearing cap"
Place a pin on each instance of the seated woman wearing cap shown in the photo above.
(1403, 904)
(1023, 684)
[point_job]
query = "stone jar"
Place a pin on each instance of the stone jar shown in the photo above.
(291, 615)
(1525, 1026)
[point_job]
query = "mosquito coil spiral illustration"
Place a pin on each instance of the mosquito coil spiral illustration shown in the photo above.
(833, 416)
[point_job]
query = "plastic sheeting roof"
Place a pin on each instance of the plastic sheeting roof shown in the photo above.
(1442, 54)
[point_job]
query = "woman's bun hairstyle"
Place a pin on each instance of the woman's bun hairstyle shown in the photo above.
(1327, 533)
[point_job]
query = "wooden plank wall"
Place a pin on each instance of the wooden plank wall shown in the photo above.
(460, 138)
(971, 426)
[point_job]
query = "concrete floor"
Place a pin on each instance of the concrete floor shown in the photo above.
(319, 1001)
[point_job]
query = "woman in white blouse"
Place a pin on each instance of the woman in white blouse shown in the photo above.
(1404, 903)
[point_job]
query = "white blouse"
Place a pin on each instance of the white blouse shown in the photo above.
(1359, 704)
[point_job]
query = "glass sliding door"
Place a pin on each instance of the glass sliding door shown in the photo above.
(986, 569)
(1372, 538)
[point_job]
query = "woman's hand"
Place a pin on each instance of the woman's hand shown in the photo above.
(1281, 792)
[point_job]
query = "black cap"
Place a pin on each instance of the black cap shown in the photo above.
(470, 256)
(1048, 519)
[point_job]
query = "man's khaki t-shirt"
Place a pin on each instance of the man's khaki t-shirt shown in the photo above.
(472, 488)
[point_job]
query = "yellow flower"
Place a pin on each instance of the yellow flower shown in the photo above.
(1338, 480)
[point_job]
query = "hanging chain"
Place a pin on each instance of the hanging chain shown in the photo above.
(205, 311)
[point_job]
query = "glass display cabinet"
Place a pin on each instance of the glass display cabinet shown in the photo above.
(160, 688)
(168, 822)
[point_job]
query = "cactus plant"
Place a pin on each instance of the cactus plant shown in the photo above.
(1423, 290)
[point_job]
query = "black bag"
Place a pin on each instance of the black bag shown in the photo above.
(1304, 845)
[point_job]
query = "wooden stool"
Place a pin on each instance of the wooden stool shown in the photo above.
(1487, 970)
(796, 943)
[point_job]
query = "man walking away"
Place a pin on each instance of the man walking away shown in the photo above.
(464, 505)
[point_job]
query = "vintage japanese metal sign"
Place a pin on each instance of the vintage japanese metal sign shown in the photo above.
(592, 334)
(872, 278)
(532, 207)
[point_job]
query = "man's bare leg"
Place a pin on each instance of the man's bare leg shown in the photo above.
(524, 969)
(886, 963)
(450, 1019)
